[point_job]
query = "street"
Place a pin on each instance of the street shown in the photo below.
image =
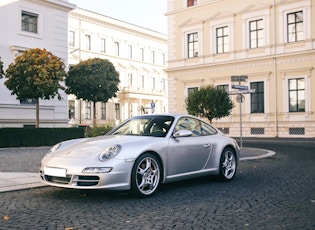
(271, 193)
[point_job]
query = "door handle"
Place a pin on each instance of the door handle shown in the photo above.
(206, 146)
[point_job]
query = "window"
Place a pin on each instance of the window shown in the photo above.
(163, 85)
(29, 22)
(116, 44)
(163, 58)
(153, 82)
(256, 33)
(207, 129)
(71, 109)
(130, 79)
(117, 111)
(71, 38)
(152, 56)
(191, 90)
(88, 110)
(28, 101)
(87, 42)
(103, 111)
(142, 81)
(222, 40)
(130, 51)
(223, 87)
(297, 95)
(191, 2)
(257, 98)
(295, 26)
(103, 45)
(193, 45)
(190, 124)
(141, 54)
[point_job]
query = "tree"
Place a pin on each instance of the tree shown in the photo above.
(36, 74)
(1, 68)
(94, 80)
(209, 102)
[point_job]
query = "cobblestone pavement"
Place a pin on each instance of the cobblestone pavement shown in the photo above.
(270, 193)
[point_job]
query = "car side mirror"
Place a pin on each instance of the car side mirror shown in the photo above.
(183, 133)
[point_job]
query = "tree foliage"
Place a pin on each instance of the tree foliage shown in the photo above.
(209, 102)
(94, 80)
(1, 68)
(36, 74)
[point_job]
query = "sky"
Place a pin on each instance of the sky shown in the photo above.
(149, 14)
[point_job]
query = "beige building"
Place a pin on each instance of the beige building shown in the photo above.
(270, 43)
(138, 54)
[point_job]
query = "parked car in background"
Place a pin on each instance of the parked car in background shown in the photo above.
(140, 154)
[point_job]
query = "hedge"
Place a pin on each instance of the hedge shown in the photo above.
(26, 137)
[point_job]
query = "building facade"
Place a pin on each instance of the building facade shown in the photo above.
(265, 47)
(138, 54)
(27, 24)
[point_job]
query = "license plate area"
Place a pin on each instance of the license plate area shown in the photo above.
(58, 172)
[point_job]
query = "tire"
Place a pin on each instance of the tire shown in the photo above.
(228, 165)
(145, 176)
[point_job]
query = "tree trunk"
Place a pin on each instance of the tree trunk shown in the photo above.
(37, 113)
(94, 113)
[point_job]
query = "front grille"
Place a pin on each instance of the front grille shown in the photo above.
(58, 180)
(87, 180)
(76, 181)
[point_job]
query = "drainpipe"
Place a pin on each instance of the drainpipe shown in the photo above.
(275, 68)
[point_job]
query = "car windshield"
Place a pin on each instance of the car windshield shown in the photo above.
(157, 126)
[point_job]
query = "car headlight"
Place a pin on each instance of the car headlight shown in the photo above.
(109, 152)
(53, 149)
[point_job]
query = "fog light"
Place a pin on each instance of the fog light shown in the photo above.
(97, 170)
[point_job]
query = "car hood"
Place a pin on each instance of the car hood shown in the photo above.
(91, 147)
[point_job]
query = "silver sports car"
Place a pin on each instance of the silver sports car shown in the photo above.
(140, 154)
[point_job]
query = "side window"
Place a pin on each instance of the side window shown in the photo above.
(207, 129)
(190, 124)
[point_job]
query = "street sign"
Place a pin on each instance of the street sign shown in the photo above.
(240, 87)
(240, 98)
(242, 91)
(239, 78)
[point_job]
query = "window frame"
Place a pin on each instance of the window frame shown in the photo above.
(88, 110)
(257, 99)
(117, 111)
(27, 23)
(39, 33)
(297, 91)
(88, 42)
(103, 110)
(116, 47)
(71, 38)
(257, 32)
(295, 23)
(103, 45)
(222, 37)
(193, 46)
(130, 51)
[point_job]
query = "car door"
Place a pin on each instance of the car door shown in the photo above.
(189, 153)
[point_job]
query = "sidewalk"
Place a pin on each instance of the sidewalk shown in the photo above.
(10, 181)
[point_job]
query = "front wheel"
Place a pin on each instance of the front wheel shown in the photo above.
(228, 165)
(145, 177)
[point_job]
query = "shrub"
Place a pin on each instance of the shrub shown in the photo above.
(97, 131)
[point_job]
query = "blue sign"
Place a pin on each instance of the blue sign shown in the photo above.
(240, 87)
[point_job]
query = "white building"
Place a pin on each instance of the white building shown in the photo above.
(27, 24)
(271, 42)
(138, 54)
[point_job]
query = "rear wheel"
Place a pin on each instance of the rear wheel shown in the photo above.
(145, 177)
(228, 165)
